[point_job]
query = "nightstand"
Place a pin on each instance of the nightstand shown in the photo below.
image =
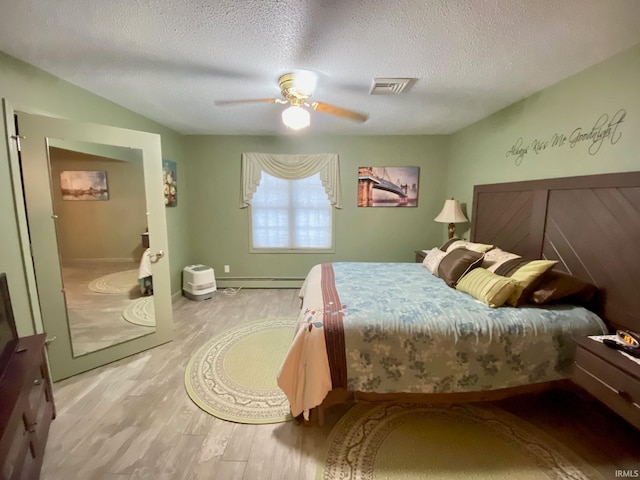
(420, 254)
(609, 376)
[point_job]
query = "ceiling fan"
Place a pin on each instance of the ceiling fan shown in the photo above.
(296, 88)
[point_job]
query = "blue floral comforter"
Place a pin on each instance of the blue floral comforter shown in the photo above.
(407, 331)
(394, 327)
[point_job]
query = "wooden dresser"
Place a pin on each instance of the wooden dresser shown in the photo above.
(609, 376)
(26, 410)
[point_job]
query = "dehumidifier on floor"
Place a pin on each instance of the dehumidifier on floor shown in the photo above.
(198, 282)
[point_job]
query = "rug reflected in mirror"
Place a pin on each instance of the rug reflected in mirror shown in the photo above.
(94, 306)
(233, 376)
(141, 312)
(456, 442)
(118, 282)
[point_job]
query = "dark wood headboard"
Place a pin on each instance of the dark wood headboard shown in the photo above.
(590, 224)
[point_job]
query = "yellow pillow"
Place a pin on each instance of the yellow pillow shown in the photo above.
(526, 275)
(487, 287)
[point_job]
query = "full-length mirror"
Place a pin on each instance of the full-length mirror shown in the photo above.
(91, 192)
(99, 198)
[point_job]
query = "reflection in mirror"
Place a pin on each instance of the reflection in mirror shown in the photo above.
(99, 201)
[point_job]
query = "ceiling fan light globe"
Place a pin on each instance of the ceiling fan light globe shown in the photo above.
(304, 82)
(296, 118)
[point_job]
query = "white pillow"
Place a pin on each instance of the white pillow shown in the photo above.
(496, 257)
(432, 260)
(474, 247)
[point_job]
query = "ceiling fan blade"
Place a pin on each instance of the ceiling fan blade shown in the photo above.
(253, 100)
(339, 111)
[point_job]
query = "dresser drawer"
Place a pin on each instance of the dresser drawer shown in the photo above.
(612, 386)
(26, 411)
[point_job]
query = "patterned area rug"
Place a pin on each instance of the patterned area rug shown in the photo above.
(384, 441)
(119, 282)
(233, 376)
(141, 312)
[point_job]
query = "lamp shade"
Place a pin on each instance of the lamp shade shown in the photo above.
(296, 117)
(451, 213)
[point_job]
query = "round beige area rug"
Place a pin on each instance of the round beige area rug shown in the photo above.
(470, 442)
(141, 312)
(118, 282)
(233, 376)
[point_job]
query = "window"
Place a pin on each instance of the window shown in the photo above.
(291, 214)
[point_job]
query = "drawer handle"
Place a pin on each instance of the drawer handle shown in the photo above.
(625, 395)
(37, 381)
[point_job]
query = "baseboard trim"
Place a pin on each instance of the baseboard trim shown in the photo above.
(259, 282)
(94, 260)
(175, 296)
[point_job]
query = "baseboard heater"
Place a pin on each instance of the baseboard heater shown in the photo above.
(260, 282)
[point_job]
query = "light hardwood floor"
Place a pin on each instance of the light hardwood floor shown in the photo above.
(133, 419)
(95, 319)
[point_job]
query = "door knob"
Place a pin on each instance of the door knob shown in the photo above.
(157, 256)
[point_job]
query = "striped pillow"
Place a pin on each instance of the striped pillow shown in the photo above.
(496, 257)
(487, 287)
(526, 273)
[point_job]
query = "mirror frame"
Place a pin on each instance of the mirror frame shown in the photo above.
(35, 165)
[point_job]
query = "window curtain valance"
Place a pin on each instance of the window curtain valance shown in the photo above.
(291, 167)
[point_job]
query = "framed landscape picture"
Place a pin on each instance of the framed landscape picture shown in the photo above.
(388, 186)
(84, 185)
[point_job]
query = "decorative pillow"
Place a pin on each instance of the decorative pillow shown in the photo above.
(526, 273)
(487, 287)
(556, 285)
(509, 267)
(475, 247)
(446, 244)
(432, 260)
(456, 263)
(496, 257)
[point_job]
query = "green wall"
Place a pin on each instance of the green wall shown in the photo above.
(208, 226)
(32, 90)
(478, 154)
(219, 229)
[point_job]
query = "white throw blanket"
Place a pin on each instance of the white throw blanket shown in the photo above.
(145, 264)
(305, 376)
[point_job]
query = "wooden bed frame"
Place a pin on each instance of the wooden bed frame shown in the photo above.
(590, 224)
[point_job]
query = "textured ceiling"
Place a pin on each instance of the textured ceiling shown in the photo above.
(171, 60)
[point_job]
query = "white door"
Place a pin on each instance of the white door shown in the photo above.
(90, 193)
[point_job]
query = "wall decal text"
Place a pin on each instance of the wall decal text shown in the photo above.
(606, 129)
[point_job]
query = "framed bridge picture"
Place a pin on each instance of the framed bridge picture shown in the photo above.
(388, 186)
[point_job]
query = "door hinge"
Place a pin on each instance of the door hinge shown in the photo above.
(17, 139)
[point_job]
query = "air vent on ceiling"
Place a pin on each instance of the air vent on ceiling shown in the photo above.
(389, 86)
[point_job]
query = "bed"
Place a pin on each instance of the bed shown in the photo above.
(379, 330)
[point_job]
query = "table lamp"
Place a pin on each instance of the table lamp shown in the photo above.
(451, 213)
